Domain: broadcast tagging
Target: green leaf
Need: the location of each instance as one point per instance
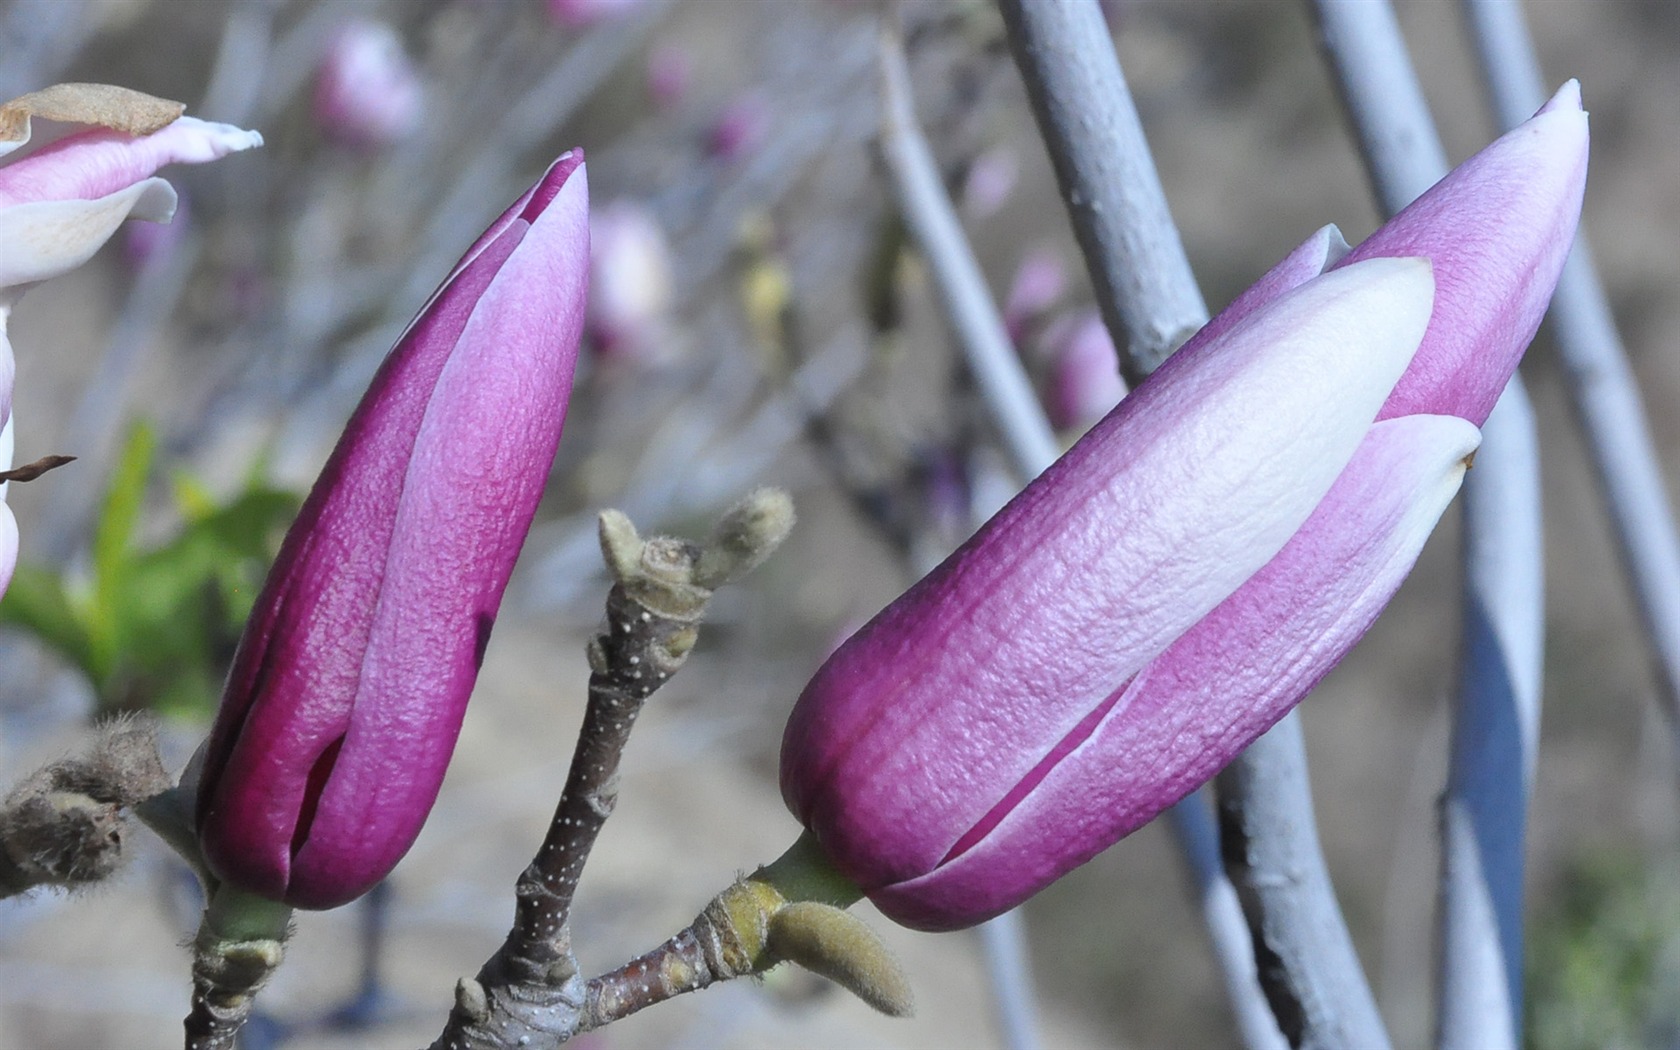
(113, 536)
(38, 603)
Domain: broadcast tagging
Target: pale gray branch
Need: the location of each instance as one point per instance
(1141, 275)
(1497, 705)
(1601, 384)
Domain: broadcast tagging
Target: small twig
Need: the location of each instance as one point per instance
(1007, 391)
(1193, 828)
(530, 994)
(1495, 739)
(241, 942)
(1009, 965)
(792, 910)
(933, 223)
(1496, 712)
(1601, 384)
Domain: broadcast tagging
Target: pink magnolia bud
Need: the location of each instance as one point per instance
(630, 284)
(739, 128)
(1039, 282)
(350, 683)
(1132, 620)
(367, 93)
(1084, 380)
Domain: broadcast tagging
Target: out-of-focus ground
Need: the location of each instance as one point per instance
(1254, 154)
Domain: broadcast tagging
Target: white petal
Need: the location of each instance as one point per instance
(47, 238)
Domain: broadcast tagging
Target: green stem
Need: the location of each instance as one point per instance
(804, 873)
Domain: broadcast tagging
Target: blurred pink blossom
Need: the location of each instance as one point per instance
(670, 71)
(367, 92)
(739, 128)
(1083, 379)
(630, 284)
(1040, 282)
(989, 181)
(580, 14)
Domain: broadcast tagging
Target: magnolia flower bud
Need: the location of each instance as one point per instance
(989, 181)
(1180, 579)
(1083, 382)
(350, 683)
(581, 14)
(670, 72)
(1039, 282)
(367, 93)
(630, 285)
(739, 129)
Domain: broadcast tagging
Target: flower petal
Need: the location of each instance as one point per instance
(94, 164)
(1497, 229)
(48, 238)
(8, 546)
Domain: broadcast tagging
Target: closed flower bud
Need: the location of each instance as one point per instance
(1083, 375)
(630, 285)
(350, 683)
(367, 93)
(1172, 586)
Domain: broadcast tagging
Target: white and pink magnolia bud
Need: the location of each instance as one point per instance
(1189, 570)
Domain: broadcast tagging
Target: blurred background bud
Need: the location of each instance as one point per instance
(989, 181)
(630, 285)
(1040, 282)
(739, 128)
(580, 14)
(670, 71)
(367, 92)
(1083, 378)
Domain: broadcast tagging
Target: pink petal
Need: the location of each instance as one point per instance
(1497, 229)
(47, 238)
(93, 164)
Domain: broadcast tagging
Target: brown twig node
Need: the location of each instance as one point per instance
(529, 994)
